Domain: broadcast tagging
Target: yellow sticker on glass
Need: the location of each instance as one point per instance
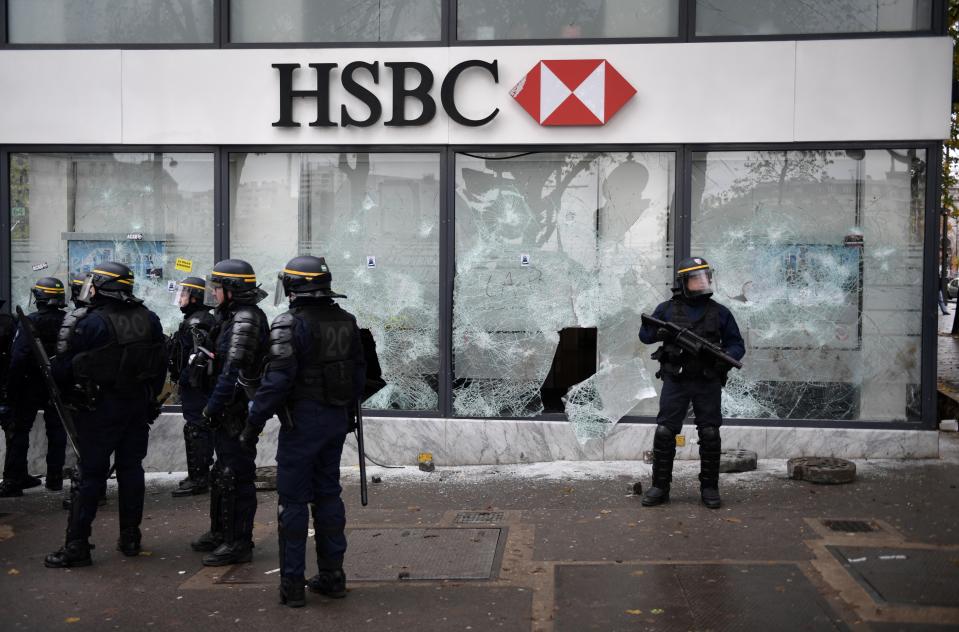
(183, 265)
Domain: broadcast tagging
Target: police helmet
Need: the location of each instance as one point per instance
(305, 276)
(189, 288)
(111, 279)
(695, 278)
(48, 292)
(236, 276)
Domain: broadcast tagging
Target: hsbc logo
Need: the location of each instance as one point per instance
(572, 92)
(555, 92)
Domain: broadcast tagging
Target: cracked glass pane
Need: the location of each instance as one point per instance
(547, 241)
(71, 212)
(819, 256)
(375, 218)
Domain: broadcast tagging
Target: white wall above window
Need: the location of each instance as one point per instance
(784, 91)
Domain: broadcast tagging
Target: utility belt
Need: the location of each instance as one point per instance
(681, 367)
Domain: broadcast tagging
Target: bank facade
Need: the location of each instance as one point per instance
(502, 188)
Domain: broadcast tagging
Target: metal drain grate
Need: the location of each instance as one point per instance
(479, 517)
(850, 526)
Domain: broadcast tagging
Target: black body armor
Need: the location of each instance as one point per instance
(131, 358)
(244, 330)
(194, 332)
(327, 375)
(675, 362)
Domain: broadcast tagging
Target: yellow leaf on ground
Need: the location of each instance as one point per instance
(72, 619)
(13, 571)
(634, 611)
(657, 611)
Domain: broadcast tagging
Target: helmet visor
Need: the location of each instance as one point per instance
(86, 292)
(180, 297)
(699, 283)
(279, 294)
(209, 292)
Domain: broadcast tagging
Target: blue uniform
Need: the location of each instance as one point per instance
(28, 395)
(118, 420)
(309, 450)
(702, 389)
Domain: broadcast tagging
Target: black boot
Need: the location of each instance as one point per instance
(54, 481)
(10, 489)
(664, 452)
(198, 465)
(213, 538)
(710, 448)
(292, 593)
(30, 482)
(230, 553)
(207, 542)
(330, 582)
(73, 553)
(129, 542)
(191, 487)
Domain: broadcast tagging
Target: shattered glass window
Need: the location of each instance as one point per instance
(70, 212)
(375, 218)
(775, 17)
(548, 241)
(819, 256)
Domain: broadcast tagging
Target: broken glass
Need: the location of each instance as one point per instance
(375, 218)
(546, 241)
(819, 257)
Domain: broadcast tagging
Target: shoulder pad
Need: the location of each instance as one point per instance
(68, 326)
(249, 314)
(248, 325)
(281, 340)
(202, 320)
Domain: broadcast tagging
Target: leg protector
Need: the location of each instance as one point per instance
(664, 452)
(710, 446)
(213, 538)
(227, 483)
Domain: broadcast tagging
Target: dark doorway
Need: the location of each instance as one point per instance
(575, 360)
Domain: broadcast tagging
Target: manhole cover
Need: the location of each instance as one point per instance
(737, 461)
(890, 574)
(850, 526)
(265, 478)
(410, 554)
(478, 517)
(822, 470)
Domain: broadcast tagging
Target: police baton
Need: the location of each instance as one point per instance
(358, 429)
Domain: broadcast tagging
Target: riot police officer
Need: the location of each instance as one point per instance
(28, 395)
(76, 286)
(8, 328)
(239, 339)
(691, 378)
(188, 356)
(113, 351)
(316, 369)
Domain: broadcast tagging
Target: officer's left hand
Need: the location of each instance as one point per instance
(249, 437)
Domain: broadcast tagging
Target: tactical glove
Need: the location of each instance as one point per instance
(249, 437)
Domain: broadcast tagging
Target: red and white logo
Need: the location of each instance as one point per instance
(572, 92)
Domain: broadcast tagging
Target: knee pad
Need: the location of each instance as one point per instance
(663, 432)
(708, 434)
(226, 481)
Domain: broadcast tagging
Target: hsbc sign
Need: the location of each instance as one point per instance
(556, 92)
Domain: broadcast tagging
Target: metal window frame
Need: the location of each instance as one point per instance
(680, 234)
(686, 32)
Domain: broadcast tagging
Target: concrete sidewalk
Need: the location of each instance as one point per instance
(555, 546)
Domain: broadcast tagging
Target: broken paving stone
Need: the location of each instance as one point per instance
(821, 470)
(736, 460)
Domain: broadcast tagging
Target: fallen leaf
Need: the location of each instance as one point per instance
(72, 619)
(638, 573)
(637, 611)
(13, 571)
(733, 520)
(657, 611)
(605, 511)
(146, 553)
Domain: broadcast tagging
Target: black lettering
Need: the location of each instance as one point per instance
(361, 93)
(321, 94)
(448, 91)
(401, 92)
